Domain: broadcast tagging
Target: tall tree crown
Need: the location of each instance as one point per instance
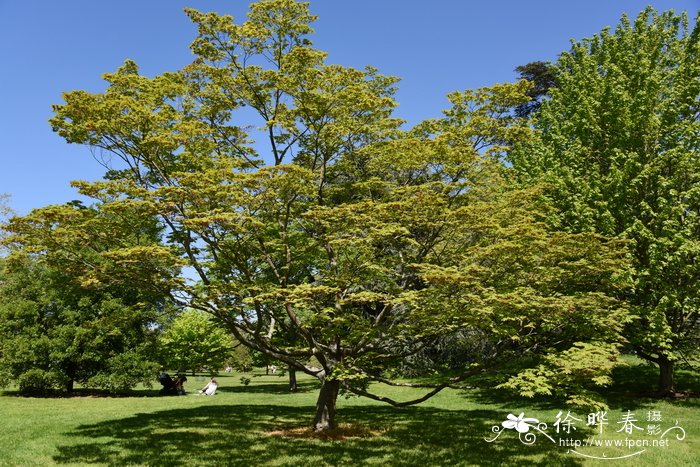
(619, 146)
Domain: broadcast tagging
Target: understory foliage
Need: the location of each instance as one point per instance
(328, 238)
(618, 150)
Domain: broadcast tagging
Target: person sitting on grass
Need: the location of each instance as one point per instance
(210, 388)
(180, 384)
(172, 387)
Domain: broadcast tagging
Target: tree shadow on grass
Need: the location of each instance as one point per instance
(636, 385)
(271, 388)
(512, 401)
(240, 435)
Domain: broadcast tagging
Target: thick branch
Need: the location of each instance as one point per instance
(437, 389)
(646, 356)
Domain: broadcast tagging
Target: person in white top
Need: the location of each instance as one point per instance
(210, 388)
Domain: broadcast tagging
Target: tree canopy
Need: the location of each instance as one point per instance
(619, 148)
(192, 341)
(543, 78)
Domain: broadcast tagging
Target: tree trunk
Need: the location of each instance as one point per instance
(71, 372)
(325, 406)
(666, 386)
(292, 379)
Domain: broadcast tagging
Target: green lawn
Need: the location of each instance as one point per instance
(238, 426)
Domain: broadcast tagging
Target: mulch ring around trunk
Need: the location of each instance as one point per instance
(342, 432)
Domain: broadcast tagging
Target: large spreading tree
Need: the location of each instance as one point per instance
(328, 238)
(620, 150)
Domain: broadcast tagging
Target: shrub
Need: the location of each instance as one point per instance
(40, 382)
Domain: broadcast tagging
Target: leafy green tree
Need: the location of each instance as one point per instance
(241, 358)
(363, 242)
(54, 334)
(61, 318)
(192, 341)
(619, 147)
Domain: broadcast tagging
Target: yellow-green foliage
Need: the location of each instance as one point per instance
(338, 237)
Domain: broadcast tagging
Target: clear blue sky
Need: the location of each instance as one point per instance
(435, 46)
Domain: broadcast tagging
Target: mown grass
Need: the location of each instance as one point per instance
(246, 425)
